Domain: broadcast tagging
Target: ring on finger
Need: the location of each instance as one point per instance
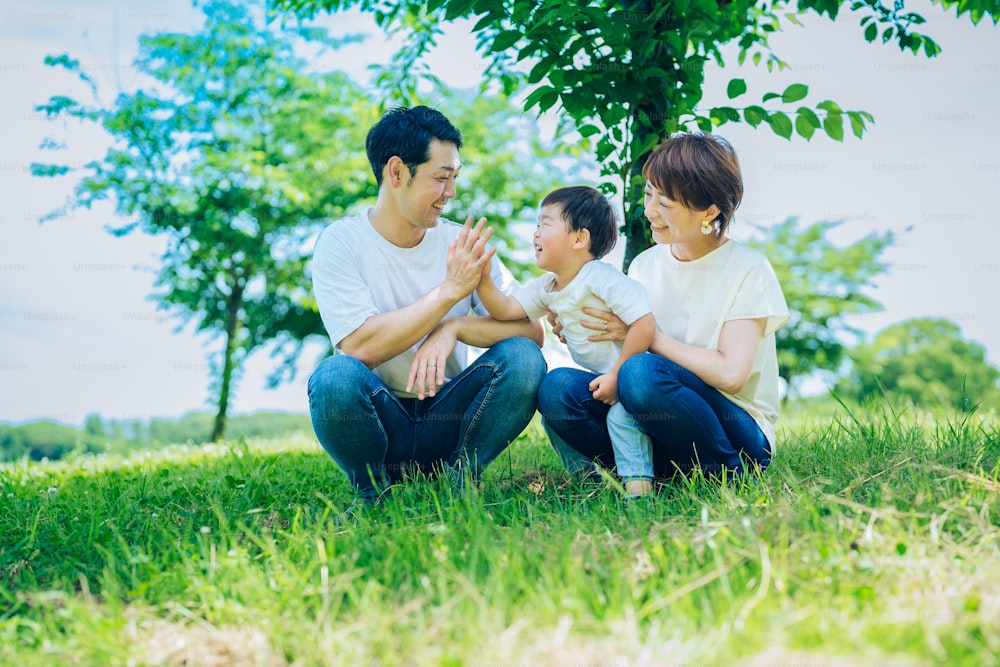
(605, 326)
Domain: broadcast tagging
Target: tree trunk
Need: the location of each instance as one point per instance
(637, 234)
(651, 123)
(232, 329)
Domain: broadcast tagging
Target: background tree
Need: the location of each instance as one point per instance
(238, 154)
(234, 154)
(923, 361)
(824, 286)
(631, 72)
(46, 439)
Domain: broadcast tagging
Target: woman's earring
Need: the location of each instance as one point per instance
(707, 227)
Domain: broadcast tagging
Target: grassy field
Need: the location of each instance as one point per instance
(870, 541)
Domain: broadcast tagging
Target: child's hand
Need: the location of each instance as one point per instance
(487, 273)
(605, 388)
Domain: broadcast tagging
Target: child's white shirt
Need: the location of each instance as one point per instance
(597, 285)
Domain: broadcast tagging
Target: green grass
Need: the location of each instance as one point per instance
(872, 539)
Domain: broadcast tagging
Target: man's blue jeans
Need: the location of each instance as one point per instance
(691, 424)
(375, 436)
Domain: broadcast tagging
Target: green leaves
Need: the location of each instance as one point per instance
(505, 39)
(638, 69)
(754, 115)
(833, 125)
(804, 121)
(858, 122)
(794, 93)
(720, 115)
(781, 124)
(924, 361)
(224, 167)
(736, 88)
(816, 276)
(38, 169)
(544, 97)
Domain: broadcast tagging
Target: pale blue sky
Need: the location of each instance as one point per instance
(77, 334)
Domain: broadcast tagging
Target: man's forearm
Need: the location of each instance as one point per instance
(387, 335)
(486, 331)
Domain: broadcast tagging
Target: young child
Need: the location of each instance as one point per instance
(576, 227)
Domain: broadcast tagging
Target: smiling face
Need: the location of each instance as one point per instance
(670, 221)
(423, 192)
(558, 248)
(692, 178)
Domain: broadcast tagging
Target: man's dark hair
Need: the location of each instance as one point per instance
(407, 133)
(583, 207)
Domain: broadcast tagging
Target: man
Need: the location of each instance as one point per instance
(395, 288)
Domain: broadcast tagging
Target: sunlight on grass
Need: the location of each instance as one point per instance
(872, 539)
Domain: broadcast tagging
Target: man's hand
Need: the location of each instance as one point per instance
(605, 388)
(467, 258)
(428, 367)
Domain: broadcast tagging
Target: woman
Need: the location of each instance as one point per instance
(707, 393)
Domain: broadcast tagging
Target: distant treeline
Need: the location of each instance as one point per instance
(51, 440)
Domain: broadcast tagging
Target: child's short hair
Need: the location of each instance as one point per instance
(584, 207)
(698, 170)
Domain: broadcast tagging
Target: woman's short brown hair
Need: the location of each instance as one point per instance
(698, 170)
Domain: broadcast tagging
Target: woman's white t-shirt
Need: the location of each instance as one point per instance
(692, 300)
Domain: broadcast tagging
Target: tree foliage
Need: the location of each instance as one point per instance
(628, 73)
(238, 152)
(51, 440)
(925, 362)
(233, 153)
(45, 439)
(824, 286)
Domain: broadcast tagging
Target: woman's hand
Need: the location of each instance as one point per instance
(427, 369)
(606, 324)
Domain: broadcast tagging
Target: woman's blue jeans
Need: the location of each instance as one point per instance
(376, 436)
(692, 425)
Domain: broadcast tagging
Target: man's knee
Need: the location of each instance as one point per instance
(338, 383)
(336, 370)
(522, 359)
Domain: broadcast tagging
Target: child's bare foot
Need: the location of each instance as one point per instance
(638, 487)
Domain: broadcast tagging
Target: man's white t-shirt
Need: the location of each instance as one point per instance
(597, 285)
(692, 300)
(357, 273)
